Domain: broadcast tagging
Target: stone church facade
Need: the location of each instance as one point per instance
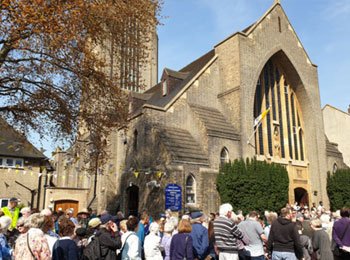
(196, 118)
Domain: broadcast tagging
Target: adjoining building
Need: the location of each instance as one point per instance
(23, 168)
(337, 129)
(203, 115)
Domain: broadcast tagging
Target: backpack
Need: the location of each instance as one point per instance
(93, 250)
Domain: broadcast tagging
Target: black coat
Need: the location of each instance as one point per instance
(109, 243)
(284, 237)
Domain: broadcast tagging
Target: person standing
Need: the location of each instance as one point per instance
(12, 211)
(141, 232)
(65, 248)
(199, 235)
(284, 239)
(130, 241)
(255, 234)
(226, 234)
(181, 243)
(341, 235)
(152, 243)
(5, 249)
(166, 239)
(320, 241)
(108, 237)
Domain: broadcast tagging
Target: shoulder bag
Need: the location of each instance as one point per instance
(30, 250)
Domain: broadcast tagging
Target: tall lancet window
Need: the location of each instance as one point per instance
(224, 156)
(190, 190)
(280, 132)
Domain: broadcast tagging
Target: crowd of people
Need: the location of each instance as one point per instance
(296, 232)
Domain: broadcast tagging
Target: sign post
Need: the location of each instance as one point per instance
(173, 197)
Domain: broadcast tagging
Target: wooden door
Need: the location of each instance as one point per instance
(67, 204)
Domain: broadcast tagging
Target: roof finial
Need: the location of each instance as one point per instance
(277, 2)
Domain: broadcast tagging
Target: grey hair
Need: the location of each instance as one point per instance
(5, 222)
(34, 221)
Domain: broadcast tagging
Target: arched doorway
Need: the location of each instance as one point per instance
(301, 196)
(132, 200)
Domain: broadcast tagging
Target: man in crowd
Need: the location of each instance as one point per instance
(284, 239)
(141, 232)
(12, 211)
(255, 234)
(226, 234)
(341, 235)
(199, 234)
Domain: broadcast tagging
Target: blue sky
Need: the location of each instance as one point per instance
(192, 27)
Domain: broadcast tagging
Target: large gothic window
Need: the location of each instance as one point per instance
(190, 190)
(280, 133)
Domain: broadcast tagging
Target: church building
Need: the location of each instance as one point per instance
(182, 129)
(196, 118)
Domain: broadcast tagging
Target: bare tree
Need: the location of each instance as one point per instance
(63, 62)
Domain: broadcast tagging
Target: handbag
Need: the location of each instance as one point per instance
(335, 248)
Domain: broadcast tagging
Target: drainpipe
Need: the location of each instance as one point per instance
(49, 170)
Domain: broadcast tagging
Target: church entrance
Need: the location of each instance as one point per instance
(301, 196)
(67, 204)
(132, 200)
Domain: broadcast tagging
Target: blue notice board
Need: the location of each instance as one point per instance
(173, 197)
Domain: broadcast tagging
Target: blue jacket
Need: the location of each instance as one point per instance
(200, 240)
(5, 250)
(181, 247)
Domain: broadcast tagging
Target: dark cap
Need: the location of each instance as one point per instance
(196, 214)
(105, 218)
(13, 199)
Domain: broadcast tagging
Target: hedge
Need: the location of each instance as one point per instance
(253, 185)
(338, 189)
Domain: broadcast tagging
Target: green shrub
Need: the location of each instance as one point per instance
(338, 189)
(253, 185)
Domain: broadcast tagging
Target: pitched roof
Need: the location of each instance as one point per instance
(160, 101)
(332, 149)
(14, 144)
(182, 146)
(215, 122)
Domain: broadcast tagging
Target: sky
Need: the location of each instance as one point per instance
(190, 28)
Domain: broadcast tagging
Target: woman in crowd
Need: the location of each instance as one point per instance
(152, 243)
(131, 249)
(320, 241)
(47, 228)
(166, 239)
(211, 239)
(181, 243)
(5, 250)
(32, 244)
(65, 248)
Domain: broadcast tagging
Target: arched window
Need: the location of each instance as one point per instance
(224, 157)
(190, 190)
(335, 168)
(279, 127)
